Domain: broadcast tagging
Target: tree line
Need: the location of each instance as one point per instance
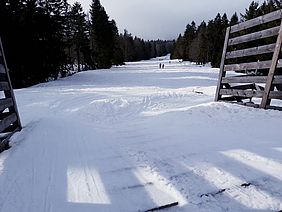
(46, 39)
(204, 43)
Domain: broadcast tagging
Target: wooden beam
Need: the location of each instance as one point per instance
(11, 91)
(4, 86)
(222, 73)
(2, 69)
(254, 36)
(265, 49)
(243, 87)
(6, 122)
(245, 79)
(233, 98)
(5, 103)
(275, 94)
(241, 93)
(269, 86)
(274, 107)
(251, 79)
(251, 66)
(257, 21)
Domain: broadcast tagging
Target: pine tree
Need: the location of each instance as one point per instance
(178, 49)
(203, 43)
(118, 56)
(188, 37)
(252, 12)
(128, 47)
(102, 38)
(234, 19)
(52, 30)
(32, 33)
(78, 38)
(269, 6)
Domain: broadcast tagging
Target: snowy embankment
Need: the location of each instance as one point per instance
(136, 137)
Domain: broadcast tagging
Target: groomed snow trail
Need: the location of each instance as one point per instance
(137, 137)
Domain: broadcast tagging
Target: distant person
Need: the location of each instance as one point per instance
(163, 66)
(160, 65)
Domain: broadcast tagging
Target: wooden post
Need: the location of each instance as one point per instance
(268, 86)
(222, 73)
(10, 93)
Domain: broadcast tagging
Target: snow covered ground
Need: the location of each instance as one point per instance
(137, 137)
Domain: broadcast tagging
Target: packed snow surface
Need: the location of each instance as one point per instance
(136, 137)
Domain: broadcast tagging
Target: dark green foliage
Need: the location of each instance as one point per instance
(216, 34)
(44, 39)
(102, 37)
(189, 36)
(256, 10)
(32, 33)
(118, 57)
(252, 12)
(202, 44)
(178, 48)
(135, 49)
(205, 43)
(199, 51)
(234, 19)
(77, 37)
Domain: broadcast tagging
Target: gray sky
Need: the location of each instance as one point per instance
(164, 19)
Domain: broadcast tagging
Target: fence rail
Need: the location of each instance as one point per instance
(252, 48)
(9, 116)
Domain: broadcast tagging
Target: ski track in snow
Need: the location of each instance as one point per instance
(136, 137)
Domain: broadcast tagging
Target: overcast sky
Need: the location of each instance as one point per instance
(164, 19)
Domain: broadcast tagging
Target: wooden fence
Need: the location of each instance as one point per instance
(9, 116)
(250, 70)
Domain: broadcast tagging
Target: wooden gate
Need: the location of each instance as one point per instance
(9, 116)
(250, 70)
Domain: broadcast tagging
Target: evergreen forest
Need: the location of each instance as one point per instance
(204, 43)
(47, 39)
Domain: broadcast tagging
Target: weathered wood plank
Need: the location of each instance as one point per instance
(251, 79)
(257, 21)
(251, 66)
(11, 128)
(254, 36)
(268, 87)
(241, 93)
(245, 86)
(11, 92)
(222, 73)
(4, 86)
(6, 122)
(251, 51)
(245, 79)
(2, 69)
(275, 94)
(273, 107)
(5, 103)
(232, 98)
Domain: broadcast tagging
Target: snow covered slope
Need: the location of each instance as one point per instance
(137, 137)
